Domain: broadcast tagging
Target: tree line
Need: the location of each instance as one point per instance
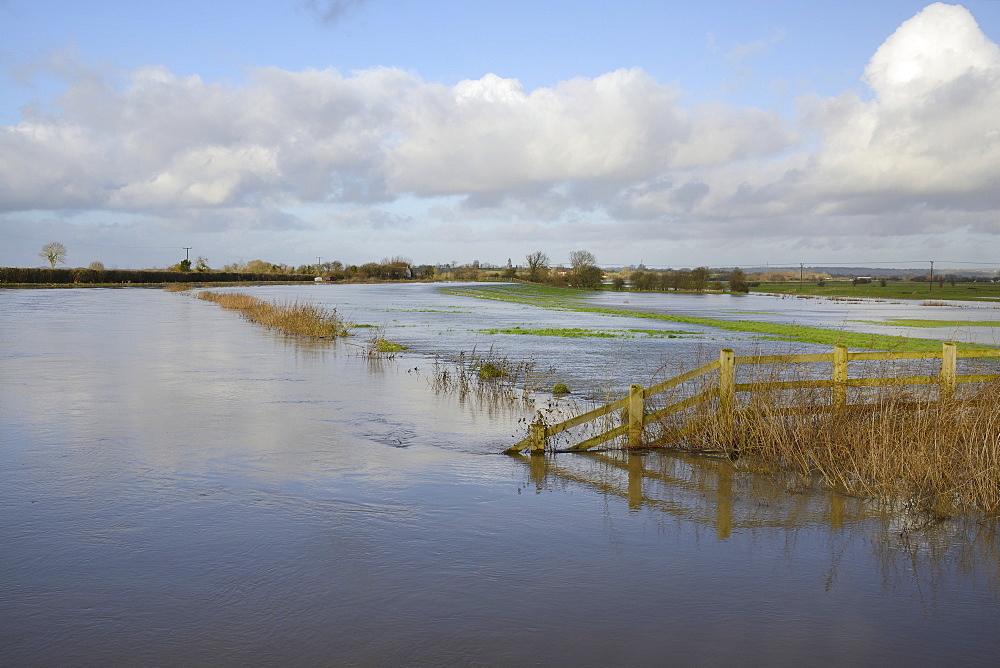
(583, 272)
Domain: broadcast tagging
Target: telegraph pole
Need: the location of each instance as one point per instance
(931, 281)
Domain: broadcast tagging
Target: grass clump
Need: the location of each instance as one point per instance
(560, 388)
(296, 318)
(177, 287)
(490, 371)
(386, 346)
(378, 346)
(492, 377)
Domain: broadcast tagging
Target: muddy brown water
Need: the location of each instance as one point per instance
(178, 486)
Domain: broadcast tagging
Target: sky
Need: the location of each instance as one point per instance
(673, 134)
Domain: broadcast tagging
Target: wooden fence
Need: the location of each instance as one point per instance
(634, 417)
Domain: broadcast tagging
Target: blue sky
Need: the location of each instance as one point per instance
(676, 134)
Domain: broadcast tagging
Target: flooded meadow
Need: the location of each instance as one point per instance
(178, 486)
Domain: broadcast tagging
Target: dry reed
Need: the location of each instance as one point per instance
(941, 458)
(294, 317)
(491, 376)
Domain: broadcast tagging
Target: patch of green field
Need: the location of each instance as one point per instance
(892, 290)
(578, 300)
(579, 333)
(916, 322)
(422, 310)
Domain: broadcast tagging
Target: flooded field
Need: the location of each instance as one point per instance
(178, 486)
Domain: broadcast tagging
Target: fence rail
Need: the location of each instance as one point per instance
(634, 417)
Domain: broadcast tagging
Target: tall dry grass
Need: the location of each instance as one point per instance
(900, 444)
(293, 317)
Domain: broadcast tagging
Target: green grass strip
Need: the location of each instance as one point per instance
(577, 300)
(915, 322)
(578, 333)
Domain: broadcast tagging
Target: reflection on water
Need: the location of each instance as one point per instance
(180, 487)
(712, 492)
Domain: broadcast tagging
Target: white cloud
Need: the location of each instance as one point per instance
(932, 129)
(922, 155)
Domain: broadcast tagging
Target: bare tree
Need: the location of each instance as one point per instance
(54, 253)
(582, 258)
(586, 274)
(538, 263)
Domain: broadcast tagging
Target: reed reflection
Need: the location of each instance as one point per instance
(715, 493)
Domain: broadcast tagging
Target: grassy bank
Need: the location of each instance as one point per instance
(296, 318)
(577, 300)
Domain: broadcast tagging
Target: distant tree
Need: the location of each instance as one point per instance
(510, 272)
(738, 281)
(54, 253)
(538, 265)
(96, 266)
(202, 264)
(585, 273)
(699, 278)
(581, 258)
(183, 265)
(643, 280)
(619, 283)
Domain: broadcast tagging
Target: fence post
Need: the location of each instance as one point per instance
(636, 415)
(536, 432)
(727, 380)
(839, 376)
(949, 366)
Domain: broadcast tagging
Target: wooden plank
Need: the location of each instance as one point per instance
(980, 378)
(784, 359)
(518, 447)
(879, 382)
(600, 438)
(683, 378)
(894, 356)
(783, 385)
(683, 404)
(601, 411)
(979, 353)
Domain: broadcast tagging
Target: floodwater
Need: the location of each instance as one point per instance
(178, 486)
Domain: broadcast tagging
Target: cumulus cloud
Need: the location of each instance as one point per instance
(931, 130)
(586, 152)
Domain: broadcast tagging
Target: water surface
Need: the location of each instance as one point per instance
(178, 486)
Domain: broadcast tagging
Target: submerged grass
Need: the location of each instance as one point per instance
(576, 300)
(294, 317)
